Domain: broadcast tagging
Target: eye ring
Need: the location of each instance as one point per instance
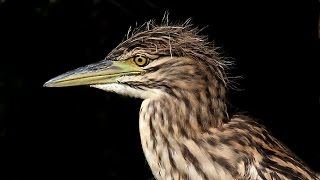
(141, 60)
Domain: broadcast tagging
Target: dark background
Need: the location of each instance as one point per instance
(81, 132)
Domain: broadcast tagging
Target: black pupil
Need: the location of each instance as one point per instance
(140, 60)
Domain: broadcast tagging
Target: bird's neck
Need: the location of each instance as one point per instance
(166, 120)
(186, 112)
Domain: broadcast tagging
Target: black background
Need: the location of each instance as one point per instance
(81, 132)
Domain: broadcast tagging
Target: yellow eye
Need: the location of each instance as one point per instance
(141, 60)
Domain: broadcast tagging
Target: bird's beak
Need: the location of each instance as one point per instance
(103, 72)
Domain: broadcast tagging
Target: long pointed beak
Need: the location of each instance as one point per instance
(103, 72)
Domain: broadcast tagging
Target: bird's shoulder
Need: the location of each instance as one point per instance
(257, 154)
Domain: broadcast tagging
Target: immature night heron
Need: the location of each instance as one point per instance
(186, 132)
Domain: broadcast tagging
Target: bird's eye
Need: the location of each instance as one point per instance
(141, 60)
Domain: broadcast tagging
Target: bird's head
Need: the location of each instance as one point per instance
(153, 60)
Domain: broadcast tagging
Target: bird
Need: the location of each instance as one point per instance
(185, 127)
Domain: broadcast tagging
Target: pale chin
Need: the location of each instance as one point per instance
(124, 90)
